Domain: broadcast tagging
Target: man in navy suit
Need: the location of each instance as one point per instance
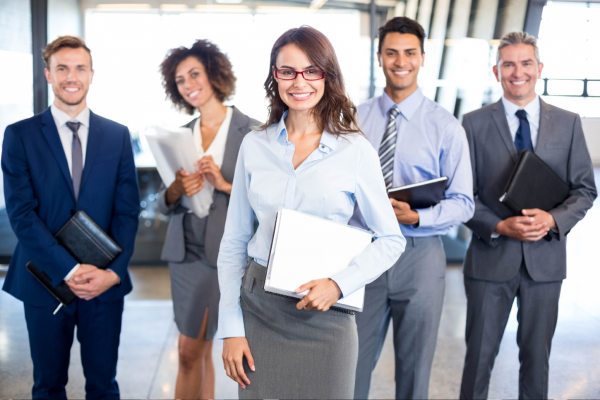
(55, 163)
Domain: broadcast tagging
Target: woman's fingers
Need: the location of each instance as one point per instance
(241, 373)
(250, 359)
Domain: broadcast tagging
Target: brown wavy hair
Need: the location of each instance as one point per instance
(216, 63)
(334, 113)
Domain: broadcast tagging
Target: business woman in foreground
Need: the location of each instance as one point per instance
(310, 156)
(200, 78)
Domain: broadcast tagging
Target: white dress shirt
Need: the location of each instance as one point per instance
(216, 150)
(532, 110)
(66, 138)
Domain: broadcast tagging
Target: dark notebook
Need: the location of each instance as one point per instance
(533, 184)
(420, 195)
(87, 243)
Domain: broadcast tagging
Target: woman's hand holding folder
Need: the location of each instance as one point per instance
(323, 294)
(234, 351)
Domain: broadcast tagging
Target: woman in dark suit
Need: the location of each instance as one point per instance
(200, 78)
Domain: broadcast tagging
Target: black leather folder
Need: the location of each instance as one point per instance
(87, 243)
(421, 195)
(533, 184)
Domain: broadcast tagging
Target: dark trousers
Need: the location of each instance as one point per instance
(411, 294)
(488, 308)
(51, 337)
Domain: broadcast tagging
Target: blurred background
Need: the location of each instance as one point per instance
(129, 41)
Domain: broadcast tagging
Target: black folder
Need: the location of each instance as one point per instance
(421, 195)
(533, 184)
(87, 243)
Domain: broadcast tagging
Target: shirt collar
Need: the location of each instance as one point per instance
(532, 108)
(407, 107)
(280, 134)
(61, 118)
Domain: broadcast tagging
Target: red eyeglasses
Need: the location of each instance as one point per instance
(290, 74)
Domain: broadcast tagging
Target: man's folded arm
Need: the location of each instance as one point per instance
(124, 223)
(21, 204)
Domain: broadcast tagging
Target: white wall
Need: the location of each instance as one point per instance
(591, 130)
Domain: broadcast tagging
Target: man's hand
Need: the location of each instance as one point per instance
(323, 294)
(184, 184)
(234, 351)
(531, 227)
(91, 282)
(212, 173)
(404, 214)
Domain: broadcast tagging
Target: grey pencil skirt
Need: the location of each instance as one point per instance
(297, 353)
(195, 289)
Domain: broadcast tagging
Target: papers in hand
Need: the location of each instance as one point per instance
(306, 247)
(174, 149)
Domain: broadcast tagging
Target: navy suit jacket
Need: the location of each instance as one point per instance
(39, 195)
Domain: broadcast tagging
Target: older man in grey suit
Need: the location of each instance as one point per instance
(519, 256)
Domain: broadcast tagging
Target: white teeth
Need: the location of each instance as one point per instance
(300, 95)
(401, 72)
(519, 82)
(71, 89)
(193, 94)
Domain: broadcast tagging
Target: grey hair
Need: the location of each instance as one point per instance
(518, 38)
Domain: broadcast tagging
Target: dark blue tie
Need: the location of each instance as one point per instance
(523, 136)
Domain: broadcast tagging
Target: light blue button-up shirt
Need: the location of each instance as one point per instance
(340, 173)
(430, 143)
(532, 110)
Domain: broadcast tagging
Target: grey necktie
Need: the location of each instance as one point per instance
(388, 147)
(77, 158)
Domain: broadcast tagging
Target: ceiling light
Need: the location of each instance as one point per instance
(173, 7)
(123, 6)
(229, 1)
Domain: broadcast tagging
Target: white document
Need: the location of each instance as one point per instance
(174, 149)
(306, 247)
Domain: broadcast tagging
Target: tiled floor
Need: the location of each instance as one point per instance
(148, 352)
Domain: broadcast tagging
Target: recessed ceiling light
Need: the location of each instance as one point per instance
(229, 1)
(173, 7)
(123, 6)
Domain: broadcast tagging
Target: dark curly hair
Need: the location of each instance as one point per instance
(335, 113)
(216, 63)
(402, 25)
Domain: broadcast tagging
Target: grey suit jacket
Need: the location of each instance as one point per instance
(174, 248)
(562, 146)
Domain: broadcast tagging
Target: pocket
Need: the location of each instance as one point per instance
(248, 283)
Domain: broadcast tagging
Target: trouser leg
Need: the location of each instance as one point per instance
(98, 331)
(488, 308)
(416, 300)
(372, 326)
(50, 341)
(537, 316)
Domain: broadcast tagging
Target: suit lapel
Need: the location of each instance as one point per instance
(93, 145)
(499, 117)
(53, 139)
(234, 137)
(544, 127)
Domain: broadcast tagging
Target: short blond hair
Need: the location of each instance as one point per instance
(518, 38)
(71, 42)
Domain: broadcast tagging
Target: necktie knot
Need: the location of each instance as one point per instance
(73, 126)
(521, 114)
(394, 112)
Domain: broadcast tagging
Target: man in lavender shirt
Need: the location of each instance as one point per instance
(417, 140)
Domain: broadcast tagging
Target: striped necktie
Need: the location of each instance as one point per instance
(387, 148)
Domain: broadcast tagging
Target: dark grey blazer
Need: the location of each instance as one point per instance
(562, 146)
(174, 248)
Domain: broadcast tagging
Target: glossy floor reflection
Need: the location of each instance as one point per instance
(148, 352)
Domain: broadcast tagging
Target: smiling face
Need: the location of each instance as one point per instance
(518, 71)
(401, 58)
(298, 94)
(192, 82)
(70, 74)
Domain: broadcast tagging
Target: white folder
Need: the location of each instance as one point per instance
(306, 247)
(174, 149)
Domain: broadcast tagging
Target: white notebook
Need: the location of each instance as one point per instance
(306, 247)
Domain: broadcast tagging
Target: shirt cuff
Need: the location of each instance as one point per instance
(231, 323)
(495, 235)
(425, 217)
(349, 280)
(72, 272)
(119, 281)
